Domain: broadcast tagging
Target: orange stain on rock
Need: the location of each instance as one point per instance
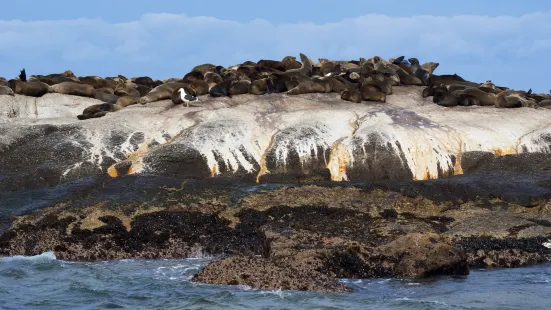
(112, 171)
(338, 160)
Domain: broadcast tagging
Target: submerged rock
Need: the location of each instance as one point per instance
(263, 274)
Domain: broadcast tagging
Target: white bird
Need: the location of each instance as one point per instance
(547, 244)
(186, 97)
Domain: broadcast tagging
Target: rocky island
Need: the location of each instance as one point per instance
(292, 174)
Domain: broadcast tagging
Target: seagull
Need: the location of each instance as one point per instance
(186, 97)
(547, 244)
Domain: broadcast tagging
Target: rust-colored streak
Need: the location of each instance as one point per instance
(112, 171)
(263, 168)
(338, 160)
(457, 168)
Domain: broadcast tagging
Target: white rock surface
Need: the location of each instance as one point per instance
(241, 132)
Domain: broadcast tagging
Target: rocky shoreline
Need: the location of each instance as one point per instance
(302, 236)
(289, 188)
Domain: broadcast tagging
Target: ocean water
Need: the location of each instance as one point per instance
(43, 282)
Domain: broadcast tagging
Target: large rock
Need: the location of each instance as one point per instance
(263, 274)
(269, 138)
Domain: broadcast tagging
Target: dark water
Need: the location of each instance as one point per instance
(42, 282)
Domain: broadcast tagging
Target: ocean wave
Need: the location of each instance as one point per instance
(41, 258)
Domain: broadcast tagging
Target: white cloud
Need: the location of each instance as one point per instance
(505, 49)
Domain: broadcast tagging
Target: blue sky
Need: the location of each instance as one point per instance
(505, 41)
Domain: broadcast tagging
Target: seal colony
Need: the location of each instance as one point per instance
(369, 80)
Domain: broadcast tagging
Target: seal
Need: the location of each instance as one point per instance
(52, 79)
(240, 87)
(23, 75)
(72, 88)
(312, 86)
(104, 96)
(125, 101)
(419, 72)
(145, 81)
(143, 90)
(268, 63)
(384, 86)
(482, 98)
(327, 67)
(204, 68)
(32, 88)
(261, 87)
(289, 63)
(281, 81)
(194, 76)
(161, 92)
(200, 87)
(221, 89)
(126, 89)
(305, 68)
(430, 90)
(397, 61)
(371, 93)
(13, 83)
(443, 98)
(514, 99)
(488, 84)
(448, 79)
(338, 84)
(212, 79)
(430, 66)
(184, 94)
(546, 104)
(98, 110)
(352, 95)
(4, 90)
(94, 81)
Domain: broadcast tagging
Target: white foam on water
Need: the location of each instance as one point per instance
(41, 258)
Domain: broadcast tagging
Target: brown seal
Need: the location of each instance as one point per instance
(161, 92)
(94, 81)
(371, 93)
(546, 104)
(305, 68)
(193, 76)
(261, 87)
(289, 63)
(204, 68)
(56, 78)
(126, 89)
(126, 101)
(443, 98)
(430, 66)
(312, 86)
(145, 81)
(4, 90)
(98, 110)
(200, 87)
(105, 96)
(482, 98)
(72, 88)
(32, 88)
(383, 85)
(212, 79)
(240, 87)
(514, 99)
(352, 95)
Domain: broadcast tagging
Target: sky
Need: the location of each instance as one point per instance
(505, 41)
